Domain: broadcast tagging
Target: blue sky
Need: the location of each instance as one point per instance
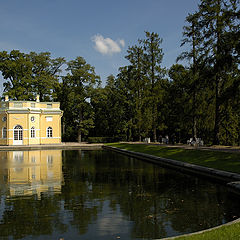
(100, 31)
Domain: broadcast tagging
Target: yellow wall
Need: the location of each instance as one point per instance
(55, 124)
(2, 124)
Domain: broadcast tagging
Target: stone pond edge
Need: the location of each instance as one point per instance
(232, 180)
(62, 146)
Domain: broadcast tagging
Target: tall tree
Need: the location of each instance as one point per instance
(79, 83)
(125, 85)
(179, 101)
(217, 19)
(16, 69)
(100, 104)
(153, 58)
(192, 36)
(109, 108)
(138, 79)
(45, 72)
(30, 74)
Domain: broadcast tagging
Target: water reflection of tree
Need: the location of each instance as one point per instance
(30, 217)
(77, 191)
(178, 203)
(204, 208)
(106, 178)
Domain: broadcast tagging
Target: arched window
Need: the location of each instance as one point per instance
(18, 133)
(49, 132)
(4, 132)
(33, 132)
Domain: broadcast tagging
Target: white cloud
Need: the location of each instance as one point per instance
(107, 46)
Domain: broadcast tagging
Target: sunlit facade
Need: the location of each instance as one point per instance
(30, 122)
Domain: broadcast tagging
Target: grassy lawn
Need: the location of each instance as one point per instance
(213, 159)
(228, 232)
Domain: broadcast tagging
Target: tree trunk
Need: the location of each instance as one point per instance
(154, 122)
(219, 30)
(79, 130)
(154, 134)
(194, 133)
(79, 135)
(216, 140)
(194, 83)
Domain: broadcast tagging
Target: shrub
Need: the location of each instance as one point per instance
(103, 139)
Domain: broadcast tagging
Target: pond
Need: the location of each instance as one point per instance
(86, 194)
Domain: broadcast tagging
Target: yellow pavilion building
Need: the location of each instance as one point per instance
(30, 122)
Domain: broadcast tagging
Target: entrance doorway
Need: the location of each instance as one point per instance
(18, 135)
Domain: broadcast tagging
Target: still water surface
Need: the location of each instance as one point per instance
(53, 194)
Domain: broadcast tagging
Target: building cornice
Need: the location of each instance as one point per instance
(51, 111)
(32, 111)
(15, 101)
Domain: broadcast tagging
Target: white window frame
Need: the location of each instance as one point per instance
(4, 132)
(49, 132)
(33, 159)
(49, 118)
(18, 104)
(18, 133)
(33, 132)
(49, 159)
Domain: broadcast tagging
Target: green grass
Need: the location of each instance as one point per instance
(213, 159)
(227, 232)
(219, 160)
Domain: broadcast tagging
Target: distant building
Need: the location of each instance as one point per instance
(30, 122)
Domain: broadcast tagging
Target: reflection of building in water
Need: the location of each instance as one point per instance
(31, 172)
